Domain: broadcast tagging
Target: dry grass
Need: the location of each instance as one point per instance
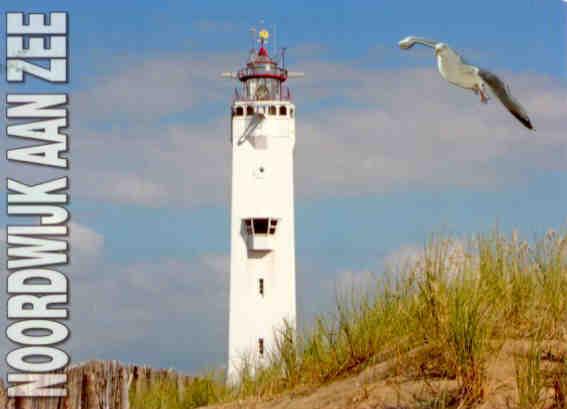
(529, 377)
(441, 318)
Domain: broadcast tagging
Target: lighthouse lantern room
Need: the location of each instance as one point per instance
(262, 248)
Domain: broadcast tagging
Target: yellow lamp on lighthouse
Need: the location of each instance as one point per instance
(264, 34)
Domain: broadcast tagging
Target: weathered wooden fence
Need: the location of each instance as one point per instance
(99, 385)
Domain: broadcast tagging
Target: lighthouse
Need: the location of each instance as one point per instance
(262, 242)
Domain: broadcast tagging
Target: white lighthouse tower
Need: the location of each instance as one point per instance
(262, 249)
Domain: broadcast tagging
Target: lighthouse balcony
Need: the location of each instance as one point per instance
(260, 243)
(264, 69)
(260, 233)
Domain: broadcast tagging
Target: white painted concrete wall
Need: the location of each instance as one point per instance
(267, 194)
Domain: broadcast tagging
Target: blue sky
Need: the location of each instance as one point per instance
(387, 153)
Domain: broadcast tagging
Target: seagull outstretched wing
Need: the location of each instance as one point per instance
(502, 91)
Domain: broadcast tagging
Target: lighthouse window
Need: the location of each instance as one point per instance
(261, 286)
(239, 111)
(272, 110)
(283, 110)
(261, 346)
(273, 224)
(291, 112)
(249, 110)
(248, 224)
(260, 226)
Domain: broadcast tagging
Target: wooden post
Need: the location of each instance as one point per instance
(100, 385)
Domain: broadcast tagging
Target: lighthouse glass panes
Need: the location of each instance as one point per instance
(262, 89)
(262, 241)
(260, 226)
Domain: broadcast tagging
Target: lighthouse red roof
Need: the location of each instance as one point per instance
(262, 52)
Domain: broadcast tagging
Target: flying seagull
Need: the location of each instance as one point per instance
(456, 71)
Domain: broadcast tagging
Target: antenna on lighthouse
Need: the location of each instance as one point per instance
(253, 32)
(283, 57)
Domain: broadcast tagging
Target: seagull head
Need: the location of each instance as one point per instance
(440, 47)
(406, 43)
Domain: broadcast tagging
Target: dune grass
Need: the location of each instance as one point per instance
(166, 394)
(529, 377)
(441, 317)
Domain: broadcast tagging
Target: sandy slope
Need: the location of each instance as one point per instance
(97, 385)
(378, 388)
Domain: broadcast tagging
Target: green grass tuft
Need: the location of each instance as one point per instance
(452, 306)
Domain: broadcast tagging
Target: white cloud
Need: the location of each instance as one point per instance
(85, 240)
(152, 311)
(144, 89)
(456, 254)
(164, 313)
(124, 188)
(355, 282)
(374, 131)
(173, 165)
(86, 247)
(86, 250)
(405, 257)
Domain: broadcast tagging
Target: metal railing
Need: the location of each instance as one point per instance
(285, 95)
(250, 72)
